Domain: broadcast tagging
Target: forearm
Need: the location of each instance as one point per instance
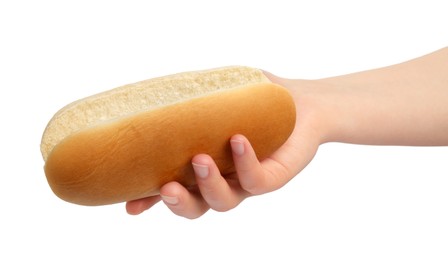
(404, 104)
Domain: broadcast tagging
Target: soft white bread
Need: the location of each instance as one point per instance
(125, 143)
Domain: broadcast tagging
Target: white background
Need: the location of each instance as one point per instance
(351, 202)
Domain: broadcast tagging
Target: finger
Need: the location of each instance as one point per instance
(255, 177)
(293, 156)
(136, 207)
(220, 194)
(183, 202)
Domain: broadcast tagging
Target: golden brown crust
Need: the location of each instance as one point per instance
(142, 96)
(132, 157)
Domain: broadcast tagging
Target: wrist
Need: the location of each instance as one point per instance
(321, 107)
(316, 109)
(319, 102)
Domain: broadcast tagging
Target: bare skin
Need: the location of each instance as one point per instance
(403, 104)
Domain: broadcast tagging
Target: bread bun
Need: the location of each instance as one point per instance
(124, 144)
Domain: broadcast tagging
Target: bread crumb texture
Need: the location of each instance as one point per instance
(143, 96)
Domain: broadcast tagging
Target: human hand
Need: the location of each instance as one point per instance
(403, 104)
(252, 177)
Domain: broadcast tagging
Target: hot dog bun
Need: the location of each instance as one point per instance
(124, 144)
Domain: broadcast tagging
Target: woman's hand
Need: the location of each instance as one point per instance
(252, 177)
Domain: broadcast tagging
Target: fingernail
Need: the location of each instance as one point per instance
(237, 147)
(201, 170)
(170, 200)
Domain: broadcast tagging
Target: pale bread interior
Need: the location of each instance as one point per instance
(143, 96)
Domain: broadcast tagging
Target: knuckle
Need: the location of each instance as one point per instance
(191, 217)
(223, 203)
(189, 214)
(223, 207)
(255, 190)
(254, 187)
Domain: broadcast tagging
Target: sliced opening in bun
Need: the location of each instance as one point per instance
(141, 96)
